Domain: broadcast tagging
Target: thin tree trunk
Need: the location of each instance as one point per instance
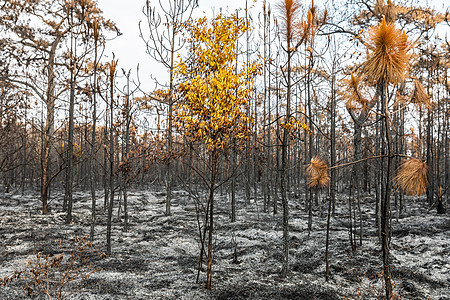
(93, 137)
(105, 163)
(233, 189)
(431, 179)
(332, 199)
(111, 165)
(385, 217)
(284, 161)
(277, 154)
(311, 139)
(24, 142)
(211, 219)
(69, 170)
(49, 126)
(248, 168)
(128, 158)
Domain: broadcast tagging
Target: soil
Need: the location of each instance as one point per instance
(157, 257)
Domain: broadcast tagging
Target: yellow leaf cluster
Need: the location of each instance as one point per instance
(76, 149)
(214, 96)
(295, 125)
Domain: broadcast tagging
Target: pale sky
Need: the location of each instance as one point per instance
(129, 47)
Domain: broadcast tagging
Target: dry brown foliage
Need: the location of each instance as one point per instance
(352, 91)
(57, 276)
(304, 68)
(371, 286)
(290, 10)
(112, 66)
(297, 30)
(408, 14)
(318, 172)
(389, 11)
(388, 58)
(420, 97)
(412, 177)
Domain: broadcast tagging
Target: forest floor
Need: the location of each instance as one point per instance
(157, 257)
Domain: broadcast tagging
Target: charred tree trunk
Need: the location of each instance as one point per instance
(111, 158)
(284, 166)
(385, 205)
(332, 199)
(49, 126)
(93, 135)
(69, 170)
(210, 225)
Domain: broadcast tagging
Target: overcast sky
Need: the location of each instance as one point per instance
(129, 47)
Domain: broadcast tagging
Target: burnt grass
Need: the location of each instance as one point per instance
(157, 257)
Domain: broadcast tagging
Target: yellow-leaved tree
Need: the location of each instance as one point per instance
(214, 91)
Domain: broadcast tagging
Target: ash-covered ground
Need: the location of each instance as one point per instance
(157, 257)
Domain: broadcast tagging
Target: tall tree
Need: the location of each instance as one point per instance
(84, 22)
(53, 16)
(215, 97)
(41, 43)
(162, 44)
(387, 62)
(296, 32)
(96, 36)
(112, 74)
(386, 65)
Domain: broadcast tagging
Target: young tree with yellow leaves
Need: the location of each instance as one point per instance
(214, 96)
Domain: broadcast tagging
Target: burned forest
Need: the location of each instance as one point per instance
(257, 149)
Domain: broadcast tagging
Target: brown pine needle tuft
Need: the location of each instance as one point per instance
(389, 11)
(401, 100)
(290, 10)
(352, 92)
(412, 177)
(388, 53)
(420, 97)
(318, 172)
